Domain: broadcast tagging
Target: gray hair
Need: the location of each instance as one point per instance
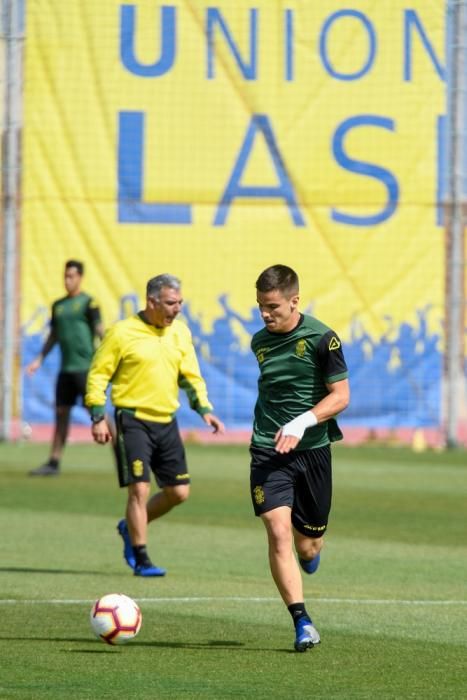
(155, 284)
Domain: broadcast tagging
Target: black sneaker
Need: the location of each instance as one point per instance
(46, 469)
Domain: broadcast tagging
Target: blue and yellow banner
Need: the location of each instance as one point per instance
(211, 141)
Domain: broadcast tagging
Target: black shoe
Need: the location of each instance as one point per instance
(46, 469)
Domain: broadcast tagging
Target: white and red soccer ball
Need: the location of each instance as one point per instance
(115, 618)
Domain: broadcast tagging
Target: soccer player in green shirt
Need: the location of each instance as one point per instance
(75, 323)
(147, 358)
(302, 386)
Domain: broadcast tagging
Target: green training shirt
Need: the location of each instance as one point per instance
(74, 321)
(294, 370)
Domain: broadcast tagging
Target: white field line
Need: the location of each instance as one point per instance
(235, 599)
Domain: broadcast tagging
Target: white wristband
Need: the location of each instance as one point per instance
(298, 425)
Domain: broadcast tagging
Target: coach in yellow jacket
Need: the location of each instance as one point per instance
(147, 358)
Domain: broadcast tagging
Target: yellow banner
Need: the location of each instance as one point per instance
(210, 142)
(213, 141)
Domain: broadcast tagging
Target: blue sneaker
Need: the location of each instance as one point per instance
(149, 570)
(310, 565)
(306, 635)
(122, 529)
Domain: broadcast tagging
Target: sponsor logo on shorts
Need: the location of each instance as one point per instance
(258, 495)
(315, 528)
(300, 348)
(183, 476)
(334, 344)
(137, 467)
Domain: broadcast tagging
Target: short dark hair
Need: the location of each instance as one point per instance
(75, 263)
(278, 277)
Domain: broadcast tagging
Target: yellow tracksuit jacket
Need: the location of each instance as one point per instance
(146, 366)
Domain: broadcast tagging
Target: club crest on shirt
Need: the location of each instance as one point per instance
(258, 495)
(137, 467)
(334, 344)
(261, 353)
(300, 348)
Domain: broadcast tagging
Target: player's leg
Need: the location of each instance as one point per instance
(137, 521)
(123, 460)
(62, 426)
(134, 452)
(70, 385)
(282, 562)
(272, 484)
(136, 517)
(168, 463)
(65, 398)
(312, 502)
(162, 502)
(312, 505)
(308, 550)
(286, 575)
(170, 470)
(272, 494)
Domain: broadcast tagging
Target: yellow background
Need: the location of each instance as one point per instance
(75, 86)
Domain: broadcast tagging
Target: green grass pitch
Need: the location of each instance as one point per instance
(389, 598)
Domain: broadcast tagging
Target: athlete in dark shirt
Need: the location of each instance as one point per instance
(302, 386)
(75, 323)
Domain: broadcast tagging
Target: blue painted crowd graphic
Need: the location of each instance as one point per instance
(395, 380)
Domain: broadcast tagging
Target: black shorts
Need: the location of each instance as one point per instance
(301, 480)
(145, 446)
(70, 386)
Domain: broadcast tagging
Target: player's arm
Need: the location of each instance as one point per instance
(99, 330)
(46, 348)
(103, 367)
(191, 381)
(100, 431)
(334, 369)
(288, 437)
(214, 422)
(93, 314)
(336, 401)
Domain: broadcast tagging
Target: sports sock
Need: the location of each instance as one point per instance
(141, 555)
(298, 612)
(52, 462)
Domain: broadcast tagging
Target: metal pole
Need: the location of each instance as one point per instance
(10, 165)
(457, 76)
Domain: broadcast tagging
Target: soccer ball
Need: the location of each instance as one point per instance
(115, 618)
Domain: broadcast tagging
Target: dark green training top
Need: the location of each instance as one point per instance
(294, 370)
(74, 321)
